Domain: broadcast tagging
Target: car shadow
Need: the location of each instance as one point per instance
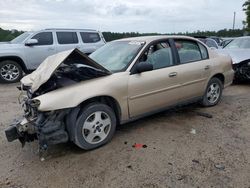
(61, 150)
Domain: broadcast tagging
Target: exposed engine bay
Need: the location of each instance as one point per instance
(67, 75)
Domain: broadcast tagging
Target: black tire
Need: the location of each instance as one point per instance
(79, 137)
(205, 100)
(16, 68)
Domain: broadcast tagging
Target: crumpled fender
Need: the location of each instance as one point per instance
(114, 86)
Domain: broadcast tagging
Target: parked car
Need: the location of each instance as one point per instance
(29, 50)
(239, 50)
(226, 41)
(211, 43)
(75, 97)
(217, 39)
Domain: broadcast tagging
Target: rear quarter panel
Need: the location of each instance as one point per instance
(221, 64)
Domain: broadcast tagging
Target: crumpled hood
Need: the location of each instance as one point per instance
(50, 64)
(237, 55)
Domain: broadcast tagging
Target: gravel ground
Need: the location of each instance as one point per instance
(184, 149)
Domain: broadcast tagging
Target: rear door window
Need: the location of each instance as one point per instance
(188, 51)
(44, 38)
(67, 37)
(88, 37)
(204, 52)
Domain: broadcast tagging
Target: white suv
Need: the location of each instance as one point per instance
(27, 51)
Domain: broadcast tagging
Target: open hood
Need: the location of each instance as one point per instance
(43, 73)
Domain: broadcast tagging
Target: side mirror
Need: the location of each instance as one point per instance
(31, 42)
(144, 67)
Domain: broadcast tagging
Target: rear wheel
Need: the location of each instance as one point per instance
(95, 126)
(213, 93)
(10, 71)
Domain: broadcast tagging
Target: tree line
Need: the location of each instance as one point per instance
(7, 35)
(109, 36)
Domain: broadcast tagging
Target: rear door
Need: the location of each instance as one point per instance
(67, 40)
(91, 41)
(194, 67)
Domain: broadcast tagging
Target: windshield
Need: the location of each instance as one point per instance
(239, 43)
(20, 38)
(116, 56)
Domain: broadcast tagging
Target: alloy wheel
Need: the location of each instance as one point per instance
(213, 93)
(9, 72)
(96, 127)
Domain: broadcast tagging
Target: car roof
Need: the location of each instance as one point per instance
(149, 39)
(67, 29)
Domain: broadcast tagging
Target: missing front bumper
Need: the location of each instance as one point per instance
(22, 131)
(47, 129)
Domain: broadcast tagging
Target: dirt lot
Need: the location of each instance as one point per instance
(217, 155)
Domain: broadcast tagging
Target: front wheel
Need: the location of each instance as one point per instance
(10, 71)
(213, 93)
(95, 126)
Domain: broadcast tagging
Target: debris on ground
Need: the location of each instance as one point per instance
(203, 114)
(193, 131)
(195, 161)
(219, 166)
(180, 177)
(42, 159)
(139, 146)
(125, 143)
(129, 166)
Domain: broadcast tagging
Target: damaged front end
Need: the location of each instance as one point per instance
(46, 127)
(242, 70)
(57, 71)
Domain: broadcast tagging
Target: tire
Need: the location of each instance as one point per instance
(213, 93)
(95, 126)
(10, 71)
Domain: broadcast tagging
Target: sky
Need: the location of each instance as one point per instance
(144, 16)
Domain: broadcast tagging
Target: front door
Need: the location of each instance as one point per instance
(153, 90)
(37, 53)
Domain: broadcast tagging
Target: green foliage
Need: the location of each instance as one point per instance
(246, 8)
(109, 36)
(7, 35)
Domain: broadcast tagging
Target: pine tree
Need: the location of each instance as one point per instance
(246, 8)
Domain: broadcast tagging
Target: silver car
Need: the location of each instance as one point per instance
(29, 50)
(239, 50)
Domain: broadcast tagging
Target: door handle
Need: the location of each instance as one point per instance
(207, 67)
(172, 74)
